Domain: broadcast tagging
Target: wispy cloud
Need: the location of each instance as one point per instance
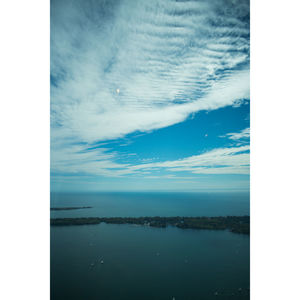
(243, 134)
(234, 160)
(77, 159)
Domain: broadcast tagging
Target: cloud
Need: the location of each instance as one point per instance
(243, 134)
(234, 160)
(80, 160)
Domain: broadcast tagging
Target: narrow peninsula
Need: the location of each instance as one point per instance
(236, 224)
(70, 208)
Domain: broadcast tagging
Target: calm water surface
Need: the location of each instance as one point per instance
(148, 263)
(152, 204)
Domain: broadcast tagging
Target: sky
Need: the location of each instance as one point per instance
(150, 95)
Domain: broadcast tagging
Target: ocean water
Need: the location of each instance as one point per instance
(151, 204)
(148, 263)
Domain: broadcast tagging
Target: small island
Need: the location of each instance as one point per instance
(70, 208)
(236, 224)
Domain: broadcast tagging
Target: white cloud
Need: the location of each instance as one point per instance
(243, 134)
(77, 159)
(233, 160)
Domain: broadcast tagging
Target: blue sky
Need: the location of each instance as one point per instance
(150, 95)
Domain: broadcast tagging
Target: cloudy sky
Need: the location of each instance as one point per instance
(150, 95)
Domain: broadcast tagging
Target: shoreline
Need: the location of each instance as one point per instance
(236, 224)
(70, 208)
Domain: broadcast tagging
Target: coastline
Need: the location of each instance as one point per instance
(236, 224)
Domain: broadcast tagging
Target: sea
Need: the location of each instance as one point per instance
(130, 262)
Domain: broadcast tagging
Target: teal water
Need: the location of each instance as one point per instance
(148, 263)
(151, 204)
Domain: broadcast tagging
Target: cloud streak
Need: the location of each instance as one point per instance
(234, 160)
(242, 135)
